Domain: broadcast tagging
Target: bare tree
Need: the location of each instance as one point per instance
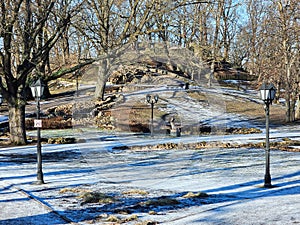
(281, 51)
(228, 27)
(254, 37)
(109, 25)
(24, 48)
(215, 47)
(200, 42)
(289, 32)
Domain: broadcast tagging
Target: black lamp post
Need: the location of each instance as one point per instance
(1, 99)
(37, 91)
(267, 94)
(152, 100)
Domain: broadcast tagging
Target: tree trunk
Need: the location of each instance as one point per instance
(287, 108)
(293, 111)
(212, 72)
(102, 77)
(297, 113)
(17, 124)
(290, 109)
(215, 49)
(46, 93)
(100, 87)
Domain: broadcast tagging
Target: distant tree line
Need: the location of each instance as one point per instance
(51, 38)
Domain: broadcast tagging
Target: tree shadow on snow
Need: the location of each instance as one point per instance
(163, 202)
(41, 219)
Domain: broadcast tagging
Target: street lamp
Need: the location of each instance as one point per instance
(267, 94)
(37, 89)
(152, 100)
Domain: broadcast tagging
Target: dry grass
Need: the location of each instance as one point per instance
(135, 192)
(161, 202)
(72, 190)
(96, 197)
(197, 95)
(50, 123)
(61, 85)
(147, 223)
(256, 111)
(116, 220)
(249, 109)
(134, 116)
(195, 195)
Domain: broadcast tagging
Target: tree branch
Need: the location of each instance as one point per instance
(64, 71)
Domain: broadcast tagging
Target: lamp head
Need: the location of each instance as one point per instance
(156, 98)
(148, 98)
(151, 98)
(37, 89)
(267, 92)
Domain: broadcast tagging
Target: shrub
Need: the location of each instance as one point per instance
(61, 140)
(50, 123)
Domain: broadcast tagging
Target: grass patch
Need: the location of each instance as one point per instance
(130, 218)
(255, 110)
(148, 223)
(96, 197)
(161, 202)
(134, 116)
(117, 220)
(195, 195)
(152, 212)
(114, 219)
(197, 95)
(62, 140)
(72, 190)
(50, 123)
(245, 108)
(135, 192)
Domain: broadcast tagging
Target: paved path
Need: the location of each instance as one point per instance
(19, 207)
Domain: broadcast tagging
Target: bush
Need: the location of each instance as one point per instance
(61, 140)
(50, 123)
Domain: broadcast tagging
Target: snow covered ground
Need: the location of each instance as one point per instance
(232, 178)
